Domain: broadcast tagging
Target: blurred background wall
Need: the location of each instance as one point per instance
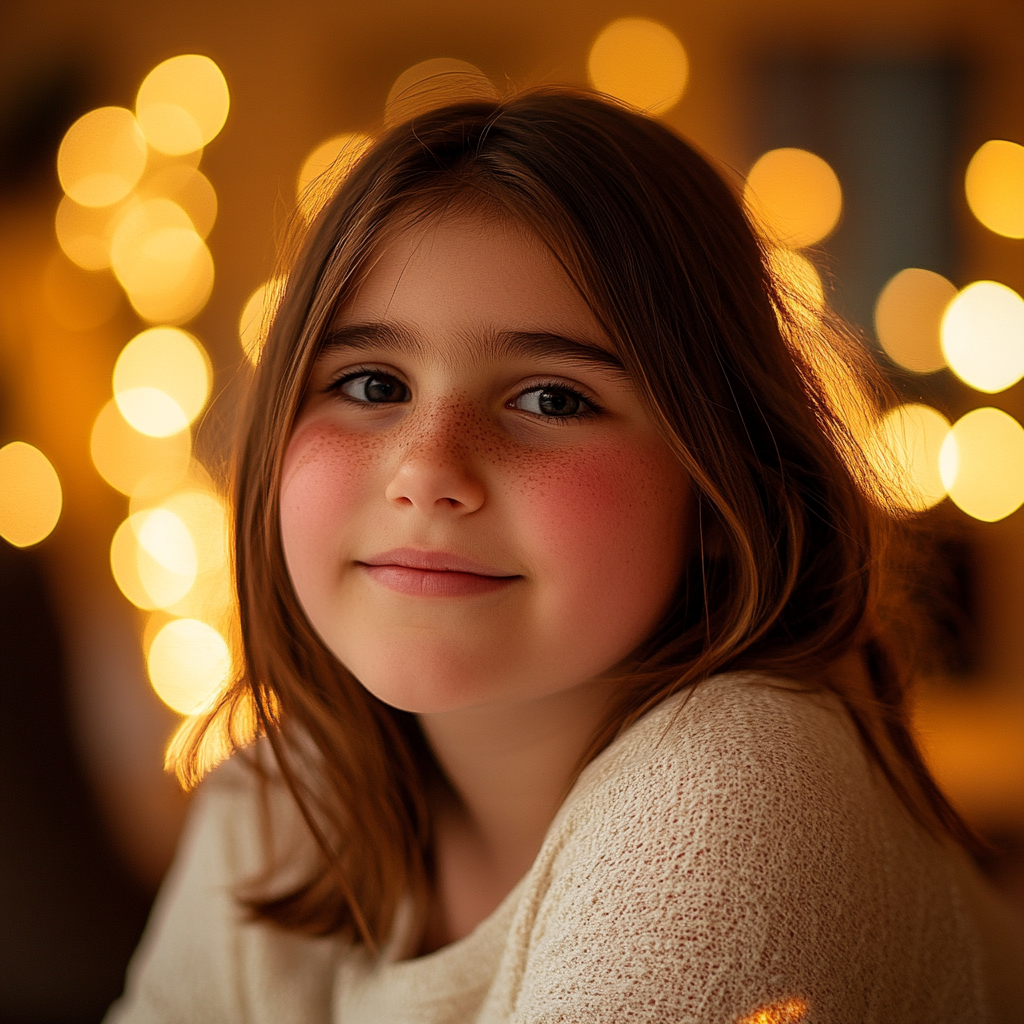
(861, 125)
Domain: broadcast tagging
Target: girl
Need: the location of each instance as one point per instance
(559, 579)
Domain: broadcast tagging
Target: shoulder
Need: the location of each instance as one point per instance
(202, 958)
(734, 849)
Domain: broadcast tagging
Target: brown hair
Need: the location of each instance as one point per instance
(746, 387)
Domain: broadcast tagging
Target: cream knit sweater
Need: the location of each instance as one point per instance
(730, 858)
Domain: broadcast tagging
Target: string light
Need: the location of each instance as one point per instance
(257, 315)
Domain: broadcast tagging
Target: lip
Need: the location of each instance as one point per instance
(420, 573)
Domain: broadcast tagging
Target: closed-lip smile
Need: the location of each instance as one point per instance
(419, 573)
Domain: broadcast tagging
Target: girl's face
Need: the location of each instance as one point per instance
(475, 506)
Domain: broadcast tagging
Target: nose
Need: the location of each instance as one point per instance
(435, 470)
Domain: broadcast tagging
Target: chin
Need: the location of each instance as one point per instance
(428, 682)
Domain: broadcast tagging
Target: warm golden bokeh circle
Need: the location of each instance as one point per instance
(908, 318)
(257, 315)
(162, 380)
(31, 497)
(905, 453)
(128, 459)
(182, 104)
(326, 168)
(189, 663)
(994, 185)
(640, 62)
(983, 336)
(101, 157)
(435, 83)
(795, 196)
(982, 464)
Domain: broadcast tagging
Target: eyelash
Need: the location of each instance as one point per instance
(592, 407)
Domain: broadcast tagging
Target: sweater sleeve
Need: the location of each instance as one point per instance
(738, 860)
(200, 960)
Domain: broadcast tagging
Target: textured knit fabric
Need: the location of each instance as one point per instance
(731, 853)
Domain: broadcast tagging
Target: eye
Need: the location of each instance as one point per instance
(553, 401)
(373, 388)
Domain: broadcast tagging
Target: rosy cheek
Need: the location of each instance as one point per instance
(609, 526)
(324, 475)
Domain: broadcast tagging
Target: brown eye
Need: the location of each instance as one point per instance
(374, 388)
(551, 401)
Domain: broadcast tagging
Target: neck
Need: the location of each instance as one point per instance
(509, 767)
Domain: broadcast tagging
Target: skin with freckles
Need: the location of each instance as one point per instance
(480, 520)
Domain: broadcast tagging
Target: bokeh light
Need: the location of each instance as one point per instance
(188, 188)
(435, 83)
(204, 516)
(30, 495)
(162, 380)
(795, 196)
(640, 62)
(101, 157)
(994, 184)
(189, 663)
(129, 460)
(982, 464)
(257, 315)
(908, 317)
(84, 233)
(905, 453)
(77, 299)
(153, 558)
(182, 104)
(161, 262)
(338, 156)
(983, 336)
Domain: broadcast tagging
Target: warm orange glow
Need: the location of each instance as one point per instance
(182, 104)
(905, 453)
(162, 381)
(795, 196)
(128, 460)
(908, 316)
(435, 83)
(258, 314)
(326, 168)
(75, 299)
(994, 184)
(982, 464)
(640, 62)
(983, 336)
(188, 188)
(189, 662)
(30, 495)
(153, 559)
(102, 156)
(163, 265)
(787, 1011)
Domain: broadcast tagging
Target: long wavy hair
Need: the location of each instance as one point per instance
(756, 392)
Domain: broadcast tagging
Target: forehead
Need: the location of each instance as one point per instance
(470, 274)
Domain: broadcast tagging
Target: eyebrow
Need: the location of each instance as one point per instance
(492, 345)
